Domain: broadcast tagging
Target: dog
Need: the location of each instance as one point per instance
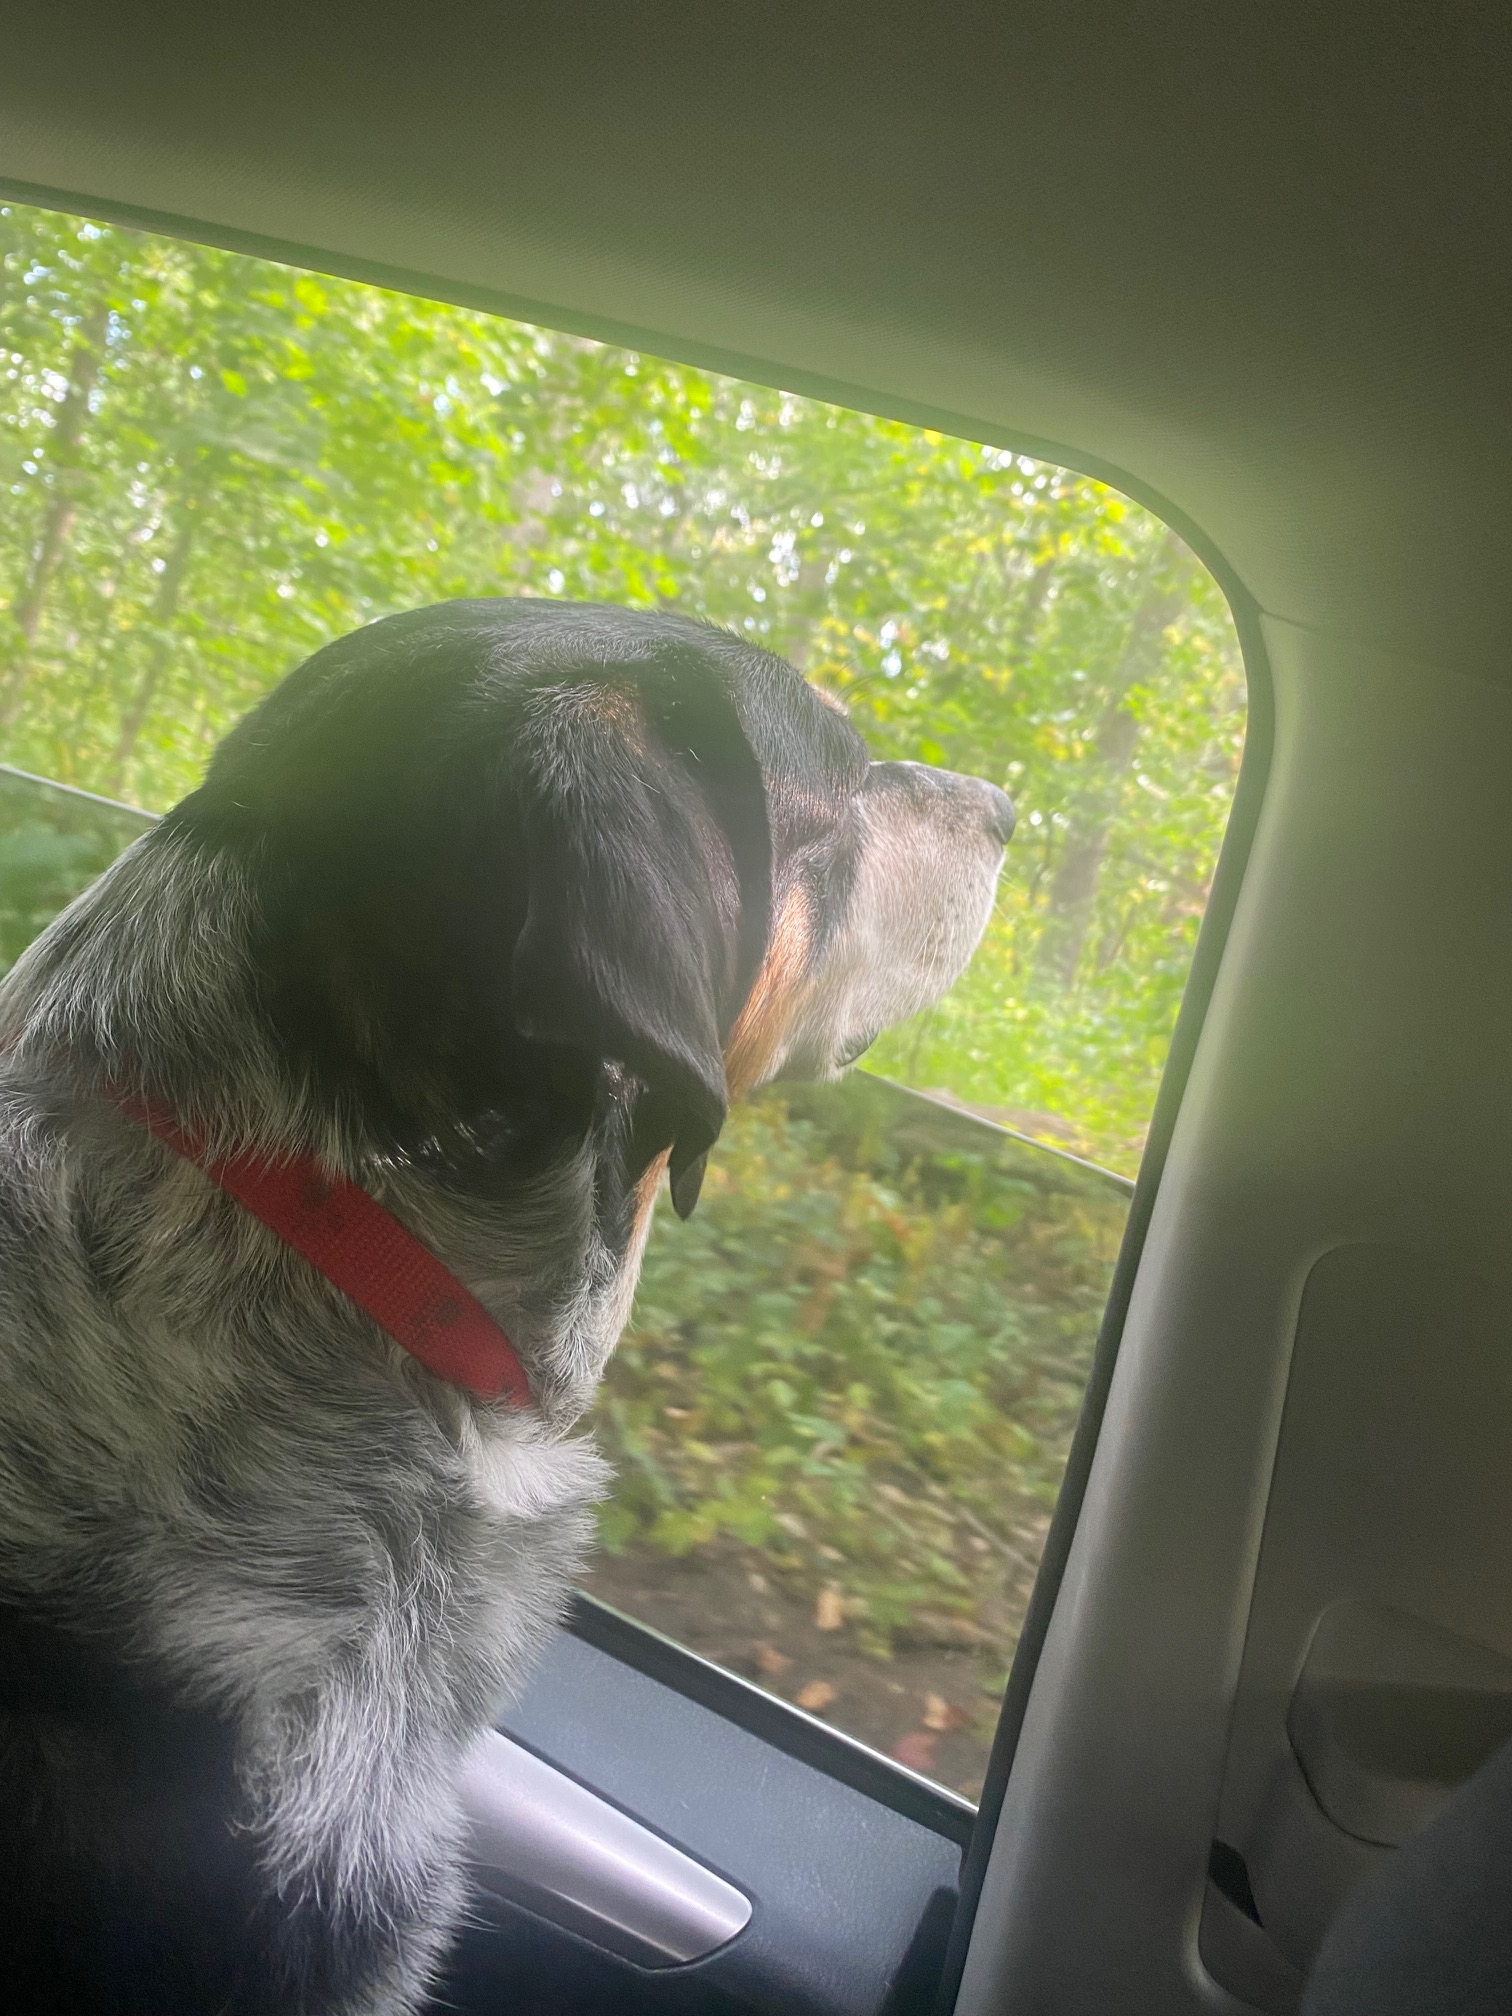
(484, 916)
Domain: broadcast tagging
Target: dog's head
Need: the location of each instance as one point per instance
(512, 858)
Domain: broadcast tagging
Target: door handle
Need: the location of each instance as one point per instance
(540, 1839)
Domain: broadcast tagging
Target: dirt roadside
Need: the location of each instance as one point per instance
(932, 1705)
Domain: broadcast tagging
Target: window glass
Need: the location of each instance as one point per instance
(842, 1411)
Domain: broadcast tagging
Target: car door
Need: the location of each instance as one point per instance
(1248, 267)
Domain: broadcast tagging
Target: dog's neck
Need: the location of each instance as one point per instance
(148, 987)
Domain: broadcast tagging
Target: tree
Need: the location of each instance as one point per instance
(211, 464)
(1091, 809)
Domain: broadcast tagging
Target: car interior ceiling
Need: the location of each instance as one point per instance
(1250, 265)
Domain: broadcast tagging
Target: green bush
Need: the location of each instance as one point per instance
(863, 1355)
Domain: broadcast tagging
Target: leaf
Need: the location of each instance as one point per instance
(816, 1696)
(941, 1715)
(916, 1750)
(829, 1609)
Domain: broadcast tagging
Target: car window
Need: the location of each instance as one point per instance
(840, 1416)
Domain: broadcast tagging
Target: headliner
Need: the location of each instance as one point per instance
(1250, 262)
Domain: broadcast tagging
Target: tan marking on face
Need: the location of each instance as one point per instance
(773, 1001)
(646, 1188)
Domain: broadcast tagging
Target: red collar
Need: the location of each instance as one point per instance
(348, 1236)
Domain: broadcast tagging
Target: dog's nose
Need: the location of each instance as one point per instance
(1001, 817)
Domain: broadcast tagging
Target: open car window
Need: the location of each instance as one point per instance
(841, 1415)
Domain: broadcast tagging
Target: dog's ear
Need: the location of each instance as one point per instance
(648, 889)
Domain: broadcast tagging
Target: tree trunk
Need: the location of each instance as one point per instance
(1073, 887)
(164, 609)
(61, 507)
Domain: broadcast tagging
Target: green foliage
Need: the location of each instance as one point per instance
(52, 843)
(212, 464)
(864, 1355)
